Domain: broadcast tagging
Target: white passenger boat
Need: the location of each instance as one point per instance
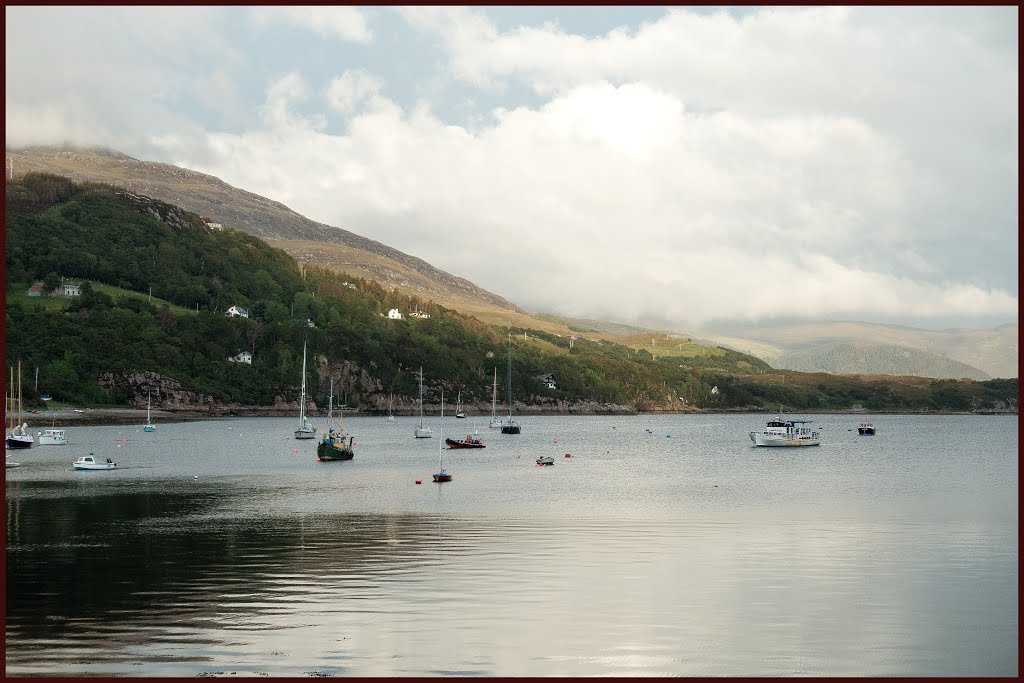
(782, 432)
(91, 462)
(52, 437)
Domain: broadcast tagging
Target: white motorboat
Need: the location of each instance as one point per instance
(783, 432)
(91, 462)
(52, 437)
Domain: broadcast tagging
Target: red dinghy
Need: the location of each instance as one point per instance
(471, 441)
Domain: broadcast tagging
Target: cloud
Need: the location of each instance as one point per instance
(617, 199)
(787, 162)
(346, 23)
(351, 88)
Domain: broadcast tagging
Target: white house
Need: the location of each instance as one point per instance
(243, 357)
(215, 226)
(238, 311)
(68, 289)
(395, 314)
(547, 380)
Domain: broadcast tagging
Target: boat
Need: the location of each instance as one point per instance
(783, 432)
(422, 431)
(545, 460)
(45, 397)
(391, 398)
(442, 475)
(471, 441)
(305, 430)
(509, 426)
(866, 428)
(11, 463)
(458, 407)
(18, 435)
(335, 442)
(52, 437)
(91, 462)
(150, 427)
(494, 402)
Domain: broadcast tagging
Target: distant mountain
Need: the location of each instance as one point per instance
(992, 352)
(862, 358)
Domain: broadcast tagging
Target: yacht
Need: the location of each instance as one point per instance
(783, 432)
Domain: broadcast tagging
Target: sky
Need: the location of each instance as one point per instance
(689, 165)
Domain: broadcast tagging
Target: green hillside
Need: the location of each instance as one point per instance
(123, 246)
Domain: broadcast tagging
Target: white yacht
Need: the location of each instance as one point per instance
(783, 432)
(52, 437)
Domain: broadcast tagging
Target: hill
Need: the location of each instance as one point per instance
(854, 358)
(992, 352)
(115, 348)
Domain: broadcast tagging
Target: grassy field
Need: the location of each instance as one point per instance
(19, 294)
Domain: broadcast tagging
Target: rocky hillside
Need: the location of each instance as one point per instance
(304, 239)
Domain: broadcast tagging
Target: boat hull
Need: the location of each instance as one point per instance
(868, 431)
(149, 428)
(300, 434)
(510, 429)
(423, 433)
(761, 439)
(20, 442)
(52, 439)
(442, 476)
(96, 466)
(327, 452)
(462, 444)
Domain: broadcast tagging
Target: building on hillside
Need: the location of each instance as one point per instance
(547, 380)
(68, 289)
(395, 314)
(419, 314)
(308, 322)
(37, 289)
(237, 311)
(242, 357)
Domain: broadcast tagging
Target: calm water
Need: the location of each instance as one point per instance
(217, 549)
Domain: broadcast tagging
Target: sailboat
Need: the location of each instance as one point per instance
(442, 475)
(305, 430)
(458, 407)
(422, 431)
(18, 435)
(149, 420)
(335, 444)
(509, 426)
(391, 399)
(494, 402)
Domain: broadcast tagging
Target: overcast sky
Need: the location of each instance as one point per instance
(684, 164)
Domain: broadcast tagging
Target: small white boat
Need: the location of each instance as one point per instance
(422, 431)
(150, 427)
(458, 407)
(306, 430)
(782, 432)
(52, 437)
(91, 462)
(391, 400)
(545, 460)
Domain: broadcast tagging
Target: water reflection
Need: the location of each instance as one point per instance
(515, 571)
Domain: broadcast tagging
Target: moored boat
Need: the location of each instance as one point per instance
(335, 442)
(471, 441)
(442, 475)
(18, 435)
(53, 437)
(783, 432)
(305, 429)
(866, 428)
(509, 426)
(422, 431)
(545, 460)
(91, 462)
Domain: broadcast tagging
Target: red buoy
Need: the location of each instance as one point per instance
(568, 455)
(418, 480)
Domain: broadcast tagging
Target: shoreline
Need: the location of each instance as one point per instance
(65, 417)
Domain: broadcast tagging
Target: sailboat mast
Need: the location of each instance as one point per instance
(19, 392)
(510, 376)
(494, 394)
(421, 396)
(12, 400)
(302, 396)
